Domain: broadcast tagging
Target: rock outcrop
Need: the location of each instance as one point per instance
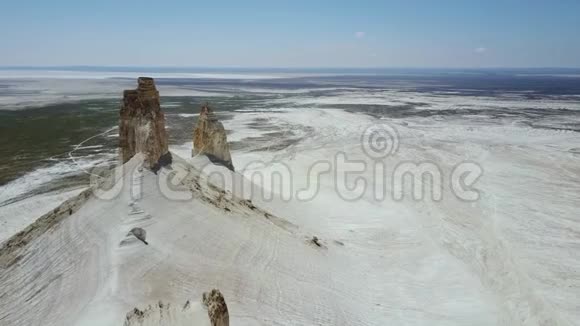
(165, 160)
(166, 314)
(217, 309)
(142, 123)
(209, 138)
(139, 233)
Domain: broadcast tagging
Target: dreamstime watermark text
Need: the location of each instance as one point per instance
(380, 173)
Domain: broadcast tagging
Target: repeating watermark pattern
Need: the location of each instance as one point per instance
(378, 174)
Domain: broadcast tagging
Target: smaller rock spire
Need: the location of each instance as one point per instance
(209, 138)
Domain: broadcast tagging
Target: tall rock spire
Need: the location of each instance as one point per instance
(209, 138)
(142, 123)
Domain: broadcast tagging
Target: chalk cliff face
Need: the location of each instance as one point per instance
(209, 138)
(142, 123)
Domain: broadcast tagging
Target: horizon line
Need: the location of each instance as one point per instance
(289, 68)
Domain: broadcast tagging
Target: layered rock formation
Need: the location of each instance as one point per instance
(142, 123)
(209, 138)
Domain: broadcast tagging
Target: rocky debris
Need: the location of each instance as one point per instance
(209, 138)
(165, 314)
(142, 123)
(315, 241)
(221, 199)
(165, 160)
(217, 309)
(139, 233)
(248, 203)
(135, 316)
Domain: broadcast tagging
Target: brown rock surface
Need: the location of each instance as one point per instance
(142, 123)
(209, 138)
(217, 309)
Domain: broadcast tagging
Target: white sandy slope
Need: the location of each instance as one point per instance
(85, 271)
(16, 216)
(508, 258)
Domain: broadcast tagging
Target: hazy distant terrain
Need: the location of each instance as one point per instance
(83, 102)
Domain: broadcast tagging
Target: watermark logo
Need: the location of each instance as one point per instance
(379, 141)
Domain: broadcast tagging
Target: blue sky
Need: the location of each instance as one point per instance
(294, 33)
